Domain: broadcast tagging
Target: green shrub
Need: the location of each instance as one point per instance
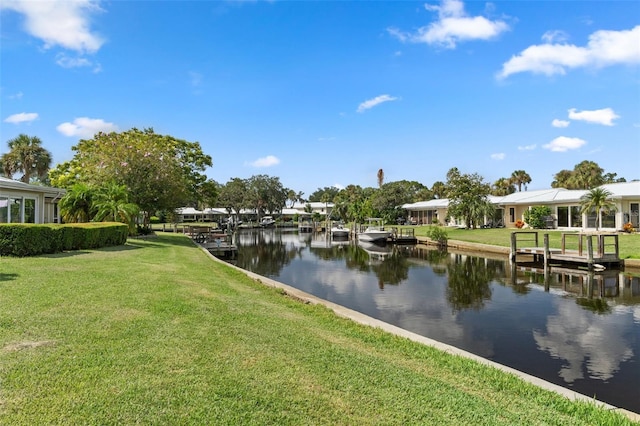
(20, 239)
(536, 216)
(438, 234)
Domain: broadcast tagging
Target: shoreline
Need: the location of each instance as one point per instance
(633, 264)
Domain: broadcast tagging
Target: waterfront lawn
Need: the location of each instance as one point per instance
(629, 244)
(156, 332)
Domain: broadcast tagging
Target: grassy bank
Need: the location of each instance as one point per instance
(629, 244)
(155, 332)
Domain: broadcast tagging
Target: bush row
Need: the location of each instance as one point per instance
(19, 239)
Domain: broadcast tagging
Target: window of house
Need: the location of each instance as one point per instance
(576, 217)
(609, 220)
(29, 210)
(15, 210)
(592, 219)
(4, 210)
(563, 216)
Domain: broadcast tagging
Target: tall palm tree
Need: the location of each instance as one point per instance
(598, 200)
(502, 187)
(26, 155)
(77, 203)
(520, 177)
(380, 178)
(439, 189)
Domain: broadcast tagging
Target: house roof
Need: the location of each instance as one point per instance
(436, 203)
(624, 189)
(26, 187)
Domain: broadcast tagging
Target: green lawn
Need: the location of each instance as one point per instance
(155, 332)
(629, 244)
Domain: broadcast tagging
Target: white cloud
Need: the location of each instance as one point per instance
(556, 36)
(603, 116)
(560, 123)
(453, 26)
(498, 156)
(85, 127)
(564, 143)
(66, 61)
(338, 186)
(267, 161)
(22, 117)
(59, 22)
(375, 101)
(605, 48)
(16, 96)
(527, 147)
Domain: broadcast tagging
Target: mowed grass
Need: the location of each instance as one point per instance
(155, 332)
(628, 244)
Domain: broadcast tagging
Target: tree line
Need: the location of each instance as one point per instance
(130, 176)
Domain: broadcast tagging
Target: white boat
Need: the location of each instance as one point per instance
(267, 221)
(339, 231)
(374, 231)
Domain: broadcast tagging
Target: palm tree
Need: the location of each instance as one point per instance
(520, 177)
(26, 155)
(439, 189)
(111, 203)
(502, 187)
(598, 200)
(380, 178)
(77, 203)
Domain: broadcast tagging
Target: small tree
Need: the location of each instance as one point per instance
(598, 200)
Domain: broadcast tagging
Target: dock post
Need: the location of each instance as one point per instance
(590, 251)
(546, 251)
(512, 254)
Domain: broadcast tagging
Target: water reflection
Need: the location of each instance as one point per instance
(570, 327)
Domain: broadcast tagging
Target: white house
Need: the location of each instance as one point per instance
(564, 205)
(24, 203)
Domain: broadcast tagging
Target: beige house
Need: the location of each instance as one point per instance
(24, 203)
(564, 205)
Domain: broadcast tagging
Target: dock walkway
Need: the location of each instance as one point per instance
(592, 250)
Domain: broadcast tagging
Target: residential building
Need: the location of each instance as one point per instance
(565, 205)
(25, 203)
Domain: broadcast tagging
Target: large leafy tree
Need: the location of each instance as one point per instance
(599, 201)
(232, 195)
(317, 195)
(159, 171)
(265, 194)
(519, 178)
(27, 156)
(468, 197)
(388, 199)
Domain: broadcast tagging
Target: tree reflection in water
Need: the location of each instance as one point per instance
(468, 285)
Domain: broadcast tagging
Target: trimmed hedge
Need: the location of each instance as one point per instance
(22, 239)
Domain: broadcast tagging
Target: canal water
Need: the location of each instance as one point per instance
(569, 327)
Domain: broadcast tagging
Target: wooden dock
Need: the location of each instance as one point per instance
(592, 250)
(217, 242)
(405, 236)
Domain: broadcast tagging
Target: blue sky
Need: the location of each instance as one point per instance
(327, 93)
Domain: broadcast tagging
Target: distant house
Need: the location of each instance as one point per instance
(24, 203)
(564, 205)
